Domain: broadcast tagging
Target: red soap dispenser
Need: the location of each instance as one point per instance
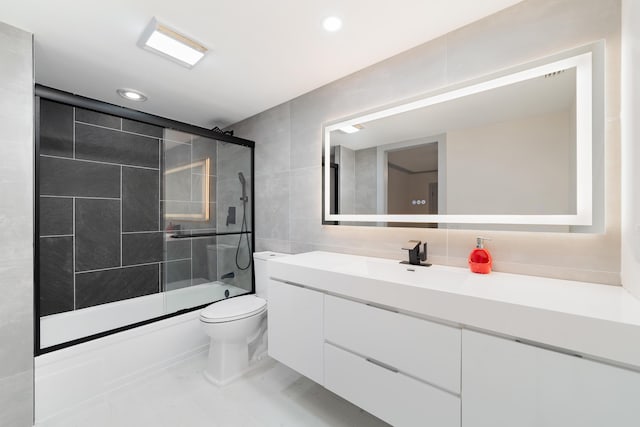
(480, 259)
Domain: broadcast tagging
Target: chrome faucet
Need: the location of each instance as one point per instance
(416, 257)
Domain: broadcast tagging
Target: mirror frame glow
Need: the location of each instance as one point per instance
(584, 149)
(204, 214)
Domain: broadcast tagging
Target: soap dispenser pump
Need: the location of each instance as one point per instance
(480, 259)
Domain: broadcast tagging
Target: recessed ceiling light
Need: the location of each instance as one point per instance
(132, 95)
(332, 24)
(161, 39)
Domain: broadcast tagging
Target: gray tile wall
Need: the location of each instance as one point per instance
(16, 214)
(100, 234)
(289, 142)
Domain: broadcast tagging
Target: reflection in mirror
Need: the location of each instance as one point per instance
(412, 180)
(513, 150)
(193, 173)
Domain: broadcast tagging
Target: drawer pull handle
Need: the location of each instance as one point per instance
(286, 282)
(382, 365)
(382, 308)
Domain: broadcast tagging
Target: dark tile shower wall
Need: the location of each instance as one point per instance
(100, 213)
(109, 188)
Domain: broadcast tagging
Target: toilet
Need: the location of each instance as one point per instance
(237, 328)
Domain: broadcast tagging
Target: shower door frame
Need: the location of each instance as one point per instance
(56, 95)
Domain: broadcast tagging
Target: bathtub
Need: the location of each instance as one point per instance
(63, 327)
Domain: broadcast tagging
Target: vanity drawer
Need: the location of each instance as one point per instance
(426, 350)
(390, 396)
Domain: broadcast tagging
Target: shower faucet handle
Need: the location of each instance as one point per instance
(231, 215)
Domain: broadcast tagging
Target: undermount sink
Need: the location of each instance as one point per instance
(380, 269)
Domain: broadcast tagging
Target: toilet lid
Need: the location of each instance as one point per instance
(233, 309)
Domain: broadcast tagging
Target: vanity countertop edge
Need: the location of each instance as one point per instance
(598, 321)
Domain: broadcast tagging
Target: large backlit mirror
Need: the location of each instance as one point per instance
(510, 150)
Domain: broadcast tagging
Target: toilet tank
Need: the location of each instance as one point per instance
(260, 260)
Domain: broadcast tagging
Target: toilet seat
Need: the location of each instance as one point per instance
(233, 309)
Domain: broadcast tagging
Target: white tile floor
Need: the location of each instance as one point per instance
(179, 396)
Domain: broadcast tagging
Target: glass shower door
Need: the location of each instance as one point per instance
(135, 221)
(206, 207)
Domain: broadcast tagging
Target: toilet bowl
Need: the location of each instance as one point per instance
(237, 328)
(231, 325)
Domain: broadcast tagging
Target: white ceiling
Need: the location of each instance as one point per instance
(262, 53)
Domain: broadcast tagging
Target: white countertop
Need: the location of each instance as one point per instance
(590, 319)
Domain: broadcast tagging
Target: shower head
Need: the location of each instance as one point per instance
(243, 182)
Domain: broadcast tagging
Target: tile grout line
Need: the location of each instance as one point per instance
(74, 132)
(121, 228)
(165, 242)
(97, 161)
(191, 261)
(141, 232)
(119, 130)
(118, 267)
(191, 175)
(175, 260)
(73, 214)
(180, 201)
(56, 197)
(74, 251)
(160, 225)
(191, 142)
(79, 197)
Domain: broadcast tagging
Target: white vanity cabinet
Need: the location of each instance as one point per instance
(403, 369)
(386, 338)
(409, 371)
(295, 328)
(506, 383)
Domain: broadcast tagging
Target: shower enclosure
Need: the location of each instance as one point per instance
(138, 218)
